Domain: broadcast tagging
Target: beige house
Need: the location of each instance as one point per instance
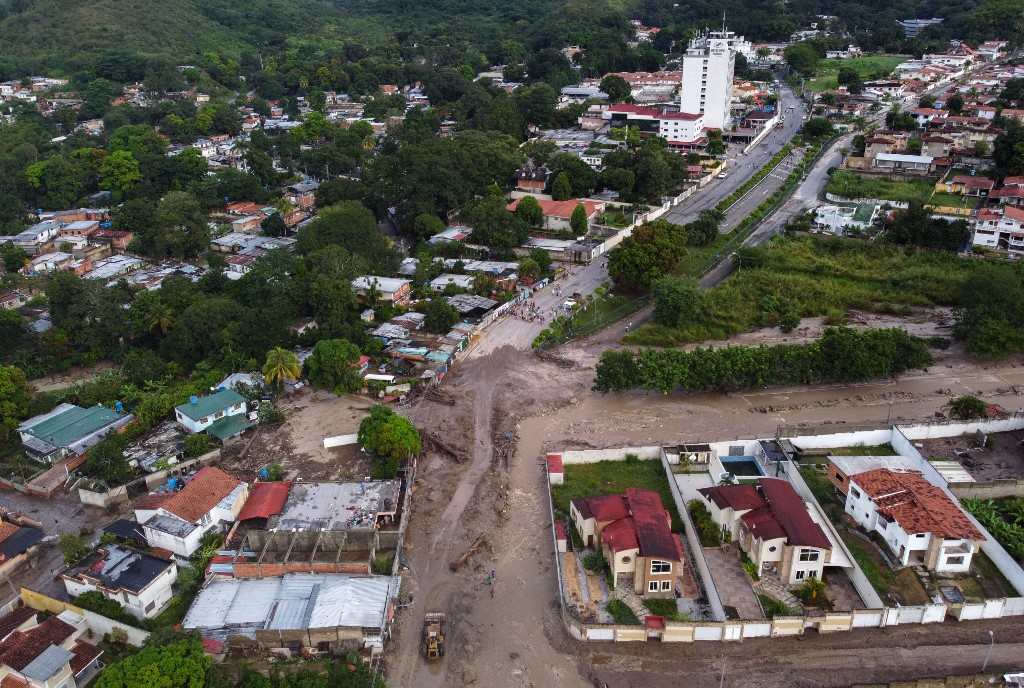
(50, 654)
(773, 527)
(634, 532)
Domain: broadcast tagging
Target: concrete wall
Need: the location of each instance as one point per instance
(119, 495)
(613, 454)
(697, 560)
(989, 489)
(98, 624)
(841, 439)
(953, 428)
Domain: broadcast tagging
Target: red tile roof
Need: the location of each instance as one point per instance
(915, 504)
(154, 501)
(602, 508)
(1013, 181)
(789, 510)
(689, 116)
(555, 463)
(84, 655)
(1010, 192)
(737, 497)
(265, 500)
(560, 531)
(562, 208)
(12, 681)
(10, 622)
(621, 536)
(212, 646)
(200, 494)
(635, 110)
(653, 525)
(1014, 213)
(20, 648)
(7, 530)
(973, 182)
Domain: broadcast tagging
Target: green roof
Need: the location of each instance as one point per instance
(229, 426)
(207, 406)
(73, 424)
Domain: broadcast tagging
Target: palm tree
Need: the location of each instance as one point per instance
(281, 365)
(162, 320)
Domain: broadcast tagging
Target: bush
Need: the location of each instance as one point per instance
(72, 546)
(789, 321)
(708, 532)
(197, 445)
(621, 613)
(967, 408)
(665, 608)
(772, 607)
(594, 561)
(751, 570)
(381, 565)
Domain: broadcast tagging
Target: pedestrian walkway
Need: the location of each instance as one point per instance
(732, 582)
(777, 591)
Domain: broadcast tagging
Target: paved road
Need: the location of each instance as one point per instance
(740, 168)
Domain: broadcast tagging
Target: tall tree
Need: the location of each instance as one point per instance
(281, 366)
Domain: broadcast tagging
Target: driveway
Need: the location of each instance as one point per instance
(731, 582)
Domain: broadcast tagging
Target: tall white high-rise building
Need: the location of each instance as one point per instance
(708, 67)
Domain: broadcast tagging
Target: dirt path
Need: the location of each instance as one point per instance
(69, 378)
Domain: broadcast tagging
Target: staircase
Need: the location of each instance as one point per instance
(777, 591)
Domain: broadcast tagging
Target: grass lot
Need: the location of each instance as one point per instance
(817, 277)
(612, 477)
(849, 185)
(993, 583)
(868, 67)
(954, 200)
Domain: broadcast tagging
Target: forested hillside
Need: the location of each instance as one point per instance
(69, 35)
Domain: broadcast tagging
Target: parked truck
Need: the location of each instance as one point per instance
(432, 646)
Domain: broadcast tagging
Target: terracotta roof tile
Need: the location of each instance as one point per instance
(265, 500)
(21, 647)
(738, 497)
(84, 654)
(200, 494)
(915, 504)
(12, 681)
(10, 622)
(7, 530)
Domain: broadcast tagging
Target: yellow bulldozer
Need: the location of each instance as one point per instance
(432, 646)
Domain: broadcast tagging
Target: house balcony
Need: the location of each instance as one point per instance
(960, 548)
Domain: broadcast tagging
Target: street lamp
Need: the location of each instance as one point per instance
(991, 644)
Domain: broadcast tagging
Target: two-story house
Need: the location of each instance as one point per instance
(1000, 228)
(139, 582)
(773, 527)
(391, 290)
(633, 531)
(50, 654)
(176, 520)
(222, 415)
(919, 522)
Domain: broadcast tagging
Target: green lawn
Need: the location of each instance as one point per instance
(868, 67)
(864, 450)
(612, 477)
(955, 200)
(849, 185)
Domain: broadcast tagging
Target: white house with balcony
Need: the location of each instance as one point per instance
(919, 522)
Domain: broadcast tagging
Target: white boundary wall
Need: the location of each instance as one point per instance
(901, 438)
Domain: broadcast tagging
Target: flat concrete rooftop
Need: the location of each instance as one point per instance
(337, 506)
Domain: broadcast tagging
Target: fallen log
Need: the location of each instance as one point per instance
(442, 445)
(457, 564)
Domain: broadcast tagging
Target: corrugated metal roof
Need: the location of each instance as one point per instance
(294, 601)
(49, 662)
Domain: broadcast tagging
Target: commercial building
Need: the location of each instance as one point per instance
(708, 68)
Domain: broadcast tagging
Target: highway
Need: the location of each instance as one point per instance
(739, 168)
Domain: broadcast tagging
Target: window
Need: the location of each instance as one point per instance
(809, 555)
(839, 478)
(666, 585)
(772, 548)
(855, 493)
(661, 566)
(954, 561)
(626, 559)
(652, 586)
(149, 607)
(812, 574)
(219, 414)
(800, 575)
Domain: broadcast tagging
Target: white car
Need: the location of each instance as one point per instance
(722, 175)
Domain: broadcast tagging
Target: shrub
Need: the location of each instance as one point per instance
(381, 565)
(621, 613)
(197, 445)
(594, 561)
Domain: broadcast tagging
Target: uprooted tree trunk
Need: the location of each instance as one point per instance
(458, 563)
